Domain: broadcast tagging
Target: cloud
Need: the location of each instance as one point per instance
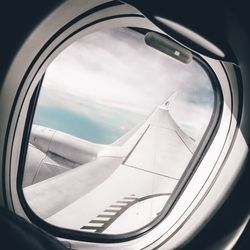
(116, 69)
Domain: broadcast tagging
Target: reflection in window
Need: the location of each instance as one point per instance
(116, 124)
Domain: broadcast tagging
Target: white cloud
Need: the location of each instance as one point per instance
(116, 69)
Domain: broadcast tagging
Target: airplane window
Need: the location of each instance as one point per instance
(115, 126)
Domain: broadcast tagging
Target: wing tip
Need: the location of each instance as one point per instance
(166, 104)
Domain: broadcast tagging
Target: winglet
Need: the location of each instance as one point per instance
(165, 105)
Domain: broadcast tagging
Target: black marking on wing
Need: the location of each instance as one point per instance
(121, 206)
(105, 220)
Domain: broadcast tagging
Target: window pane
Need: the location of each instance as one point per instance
(116, 124)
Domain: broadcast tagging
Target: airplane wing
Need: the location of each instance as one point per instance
(120, 180)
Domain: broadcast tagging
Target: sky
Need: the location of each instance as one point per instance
(114, 80)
